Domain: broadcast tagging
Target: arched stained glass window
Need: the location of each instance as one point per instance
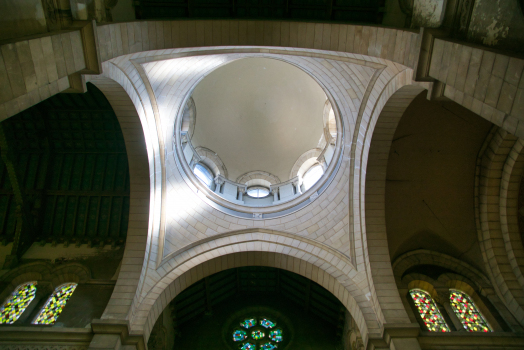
(429, 311)
(55, 304)
(17, 302)
(467, 312)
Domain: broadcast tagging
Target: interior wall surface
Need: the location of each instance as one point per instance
(430, 181)
(163, 104)
(158, 83)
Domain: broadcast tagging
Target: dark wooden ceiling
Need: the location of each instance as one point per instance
(362, 11)
(64, 175)
(204, 295)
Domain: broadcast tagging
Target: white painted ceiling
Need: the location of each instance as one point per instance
(258, 114)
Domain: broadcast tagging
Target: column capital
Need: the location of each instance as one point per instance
(219, 181)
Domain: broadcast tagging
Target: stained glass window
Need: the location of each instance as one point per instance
(257, 335)
(239, 335)
(253, 336)
(429, 311)
(16, 304)
(247, 346)
(276, 335)
(248, 323)
(467, 312)
(55, 304)
(267, 323)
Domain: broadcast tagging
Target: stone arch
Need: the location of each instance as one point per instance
(500, 166)
(391, 77)
(139, 153)
(189, 118)
(311, 259)
(212, 160)
(328, 127)
(312, 153)
(425, 284)
(258, 174)
(379, 136)
(429, 257)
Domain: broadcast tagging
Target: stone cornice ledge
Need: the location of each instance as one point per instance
(436, 341)
(488, 341)
(121, 328)
(44, 334)
(394, 330)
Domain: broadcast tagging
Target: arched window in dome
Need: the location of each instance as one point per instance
(204, 174)
(55, 304)
(467, 312)
(17, 302)
(257, 191)
(429, 311)
(312, 176)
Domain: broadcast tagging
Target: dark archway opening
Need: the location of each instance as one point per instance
(205, 315)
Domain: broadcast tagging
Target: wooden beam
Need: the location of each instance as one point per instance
(208, 294)
(24, 232)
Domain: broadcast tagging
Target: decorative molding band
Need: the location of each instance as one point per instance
(120, 328)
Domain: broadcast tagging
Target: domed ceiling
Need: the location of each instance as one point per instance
(258, 114)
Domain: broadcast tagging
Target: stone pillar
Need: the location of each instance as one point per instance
(218, 184)
(322, 162)
(241, 191)
(275, 194)
(397, 336)
(114, 335)
(445, 307)
(296, 183)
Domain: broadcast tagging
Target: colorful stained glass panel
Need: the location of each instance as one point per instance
(55, 304)
(239, 335)
(248, 323)
(257, 335)
(267, 323)
(247, 346)
(467, 312)
(268, 346)
(16, 304)
(429, 311)
(276, 335)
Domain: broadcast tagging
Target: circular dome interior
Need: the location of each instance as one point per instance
(258, 114)
(254, 119)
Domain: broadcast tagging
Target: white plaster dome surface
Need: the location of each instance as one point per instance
(258, 114)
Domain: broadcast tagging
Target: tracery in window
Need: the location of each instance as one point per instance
(467, 312)
(257, 336)
(239, 335)
(204, 174)
(248, 323)
(17, 302)
(267, 323)
(55, 304)
(276, 335)
(429, 311)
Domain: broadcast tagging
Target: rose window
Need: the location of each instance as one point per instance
(257, 334)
